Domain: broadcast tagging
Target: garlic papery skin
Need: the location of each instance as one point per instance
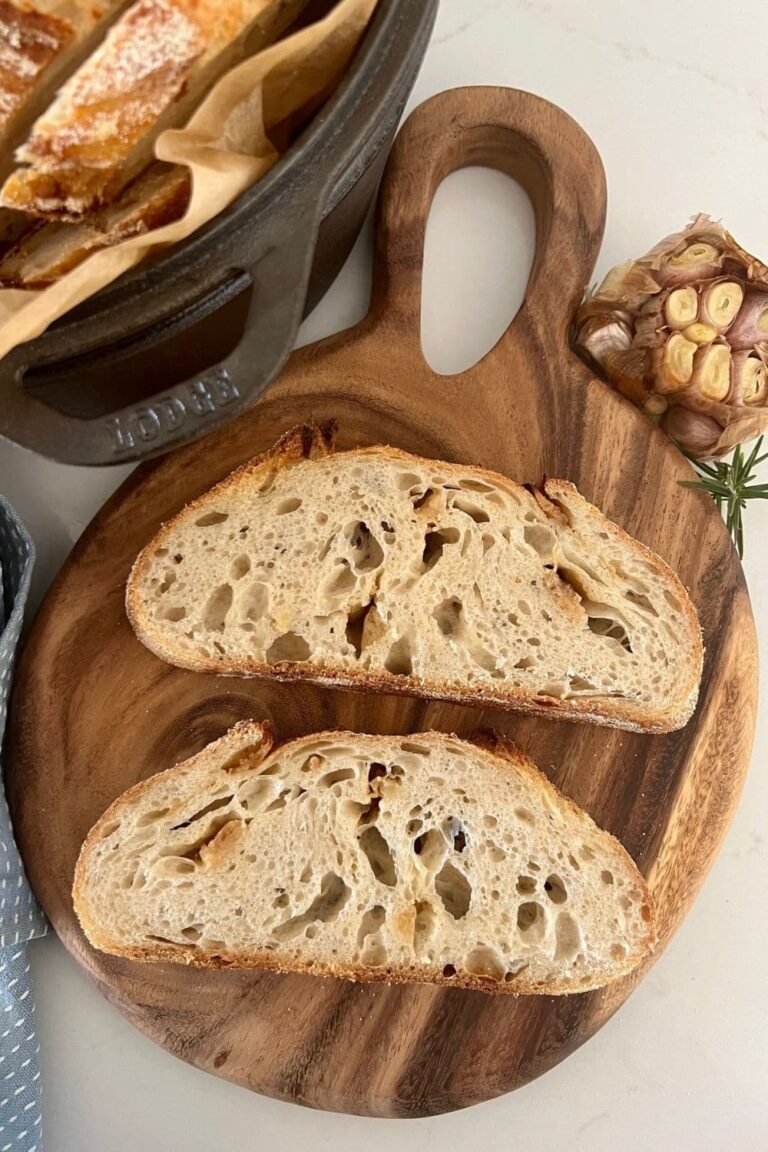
(750, 378)
(751, 325)
(684, 329)
(694, 432)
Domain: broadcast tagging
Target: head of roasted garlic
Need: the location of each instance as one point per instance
(683, 333)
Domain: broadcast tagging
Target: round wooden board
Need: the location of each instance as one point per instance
(94, 711)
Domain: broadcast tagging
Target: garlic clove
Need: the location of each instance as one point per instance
(720, 304)
(656, 405)
(712, 372)
(676, 364)
(700, 333)
(682, 307)
(694, 432)
(750, 379)
(694, 260)
(602, 334)
(751, 324)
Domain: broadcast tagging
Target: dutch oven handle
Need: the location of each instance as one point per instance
(277, 273)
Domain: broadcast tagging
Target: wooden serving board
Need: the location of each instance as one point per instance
(94, 711)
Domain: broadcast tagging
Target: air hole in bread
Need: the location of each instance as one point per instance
(490, 822)
(378, 854)
(356, 626)
(604, 626)
(283, 798)
(211, 518)
(618, 951)
(255, 602)
(415, 749)
(434, 543)
(555, 889)
(448, 615)
(474, 511)
(526, 816)
(580, 684)
(217, 608)
(568, 937)
(174, 613)
(641, 602)
(420, 497)
(341, 580)
(482, 657)
(212, 807)
(398, 661)
(174, 866)
(240, 566)
(367, 553)
(607, 876)
(531, 920)
(449, 971)
(281, 900)
(524, 607)
(470, 485)
(165, 940)
(376, 772)
(337, 776)
(485, 961)
(407, 480)
(291, 504)
(672, 600)
(431, 848)
(254, 793)
(193, 932)
(333, 895)
(371, 923)
(456, 834)
(424, 926)
(288, 648)
(168, 581)
(454, 890)
(414, 826)
(514, 971)
(542, 540)
(526, 885)
(149, 817)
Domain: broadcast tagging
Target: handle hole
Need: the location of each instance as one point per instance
(479, 249)
(103, 381)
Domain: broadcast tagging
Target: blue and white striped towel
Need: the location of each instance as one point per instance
(20, 916)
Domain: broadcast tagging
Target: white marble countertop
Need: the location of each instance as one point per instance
(675, 99)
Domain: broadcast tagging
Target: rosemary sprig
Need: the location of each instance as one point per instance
(729, 483)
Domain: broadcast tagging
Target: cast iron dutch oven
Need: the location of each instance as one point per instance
(119, 379)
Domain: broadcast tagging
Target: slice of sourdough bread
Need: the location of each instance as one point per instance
(400, 858)
(379, 570)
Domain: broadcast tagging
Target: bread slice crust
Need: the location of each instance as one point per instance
(313, 442)
(496, 755)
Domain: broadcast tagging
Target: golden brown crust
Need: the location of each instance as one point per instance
(309, 442)
(503, 752)
(29, 42)
(157, 60)
(50, 250)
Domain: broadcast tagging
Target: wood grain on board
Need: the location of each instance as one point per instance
(94, 711)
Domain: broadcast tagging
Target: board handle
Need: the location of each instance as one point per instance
(535, 143)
